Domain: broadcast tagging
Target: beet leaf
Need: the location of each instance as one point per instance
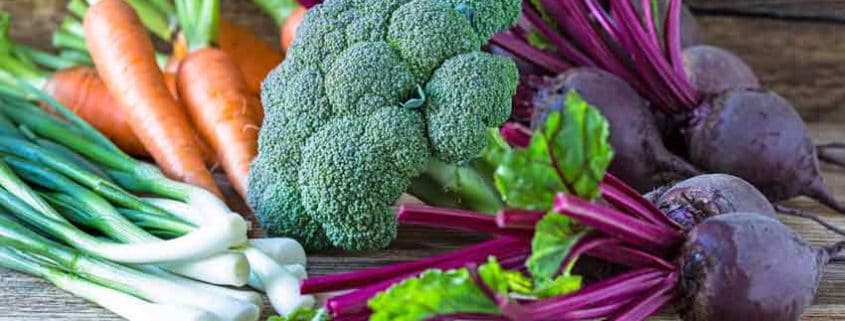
(569, 153)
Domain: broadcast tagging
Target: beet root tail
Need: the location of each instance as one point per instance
(819, 192)
(786, 210)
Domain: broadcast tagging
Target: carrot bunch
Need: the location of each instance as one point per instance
(188, 110)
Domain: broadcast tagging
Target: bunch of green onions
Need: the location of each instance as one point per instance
(68, 214)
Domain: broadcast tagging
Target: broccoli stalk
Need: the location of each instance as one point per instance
(457, 186)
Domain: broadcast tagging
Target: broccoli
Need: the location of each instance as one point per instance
(373, 95)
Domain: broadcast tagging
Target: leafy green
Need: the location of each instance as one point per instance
(433, 293)
(563, 284)
(304, 314)
(503, 281)
(569, 153)
(553, 239)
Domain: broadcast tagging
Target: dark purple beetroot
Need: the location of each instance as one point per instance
(757, 135)
(692, 201)
(713, 70)
(742, 266)
(641, 160)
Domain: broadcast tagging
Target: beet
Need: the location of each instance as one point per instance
(750, 133)
(713, 70)
(641, 160)
(746, 266)
(757, 135)
(691, 201)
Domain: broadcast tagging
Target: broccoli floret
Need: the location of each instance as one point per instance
(371, 92)
(355, 169)
(466, 95)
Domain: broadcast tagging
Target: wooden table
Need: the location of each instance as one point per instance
(796, 46)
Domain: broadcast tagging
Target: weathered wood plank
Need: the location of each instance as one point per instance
(830, 11)
(803, 62)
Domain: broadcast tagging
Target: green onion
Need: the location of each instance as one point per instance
(209, 239)
(122, 304)
(122, 278)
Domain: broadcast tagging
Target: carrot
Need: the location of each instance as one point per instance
(170, 70)
(288, 30)
(81, 90)
(221, 105)
(254, 57)
(125, 60)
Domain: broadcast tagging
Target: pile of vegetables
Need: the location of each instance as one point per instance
(184, 139)
(379, 98)
(693, 105)
(710, 247)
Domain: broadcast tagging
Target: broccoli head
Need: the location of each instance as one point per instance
(370, 93)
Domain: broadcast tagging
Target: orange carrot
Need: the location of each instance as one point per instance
(254, 56)
(125, 60)
(81, 90)
(221, 105)
(288, 30)
(170, 70)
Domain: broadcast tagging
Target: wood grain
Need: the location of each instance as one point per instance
(802, 60)
(804, 10)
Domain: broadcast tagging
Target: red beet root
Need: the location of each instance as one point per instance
(641, 160)
(748, 267)
(757, 135)
(691, 201)
(713, 70)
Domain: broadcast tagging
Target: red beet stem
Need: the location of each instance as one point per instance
(556, 39)
(673, 41)
(517, 135)
(624, 286)
(600, 312)
(651, 303)
(515, 219)
(585, 245)
(644, 205)
(625, 203)
(617, 224)
(519, 47)
(620, 254)
(648, 20)
(463, 220)
(649, 58)
(356, 302)
(351, 280)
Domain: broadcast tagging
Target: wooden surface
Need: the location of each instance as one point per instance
(797, 47)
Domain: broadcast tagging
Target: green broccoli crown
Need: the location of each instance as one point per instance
(370, 91)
